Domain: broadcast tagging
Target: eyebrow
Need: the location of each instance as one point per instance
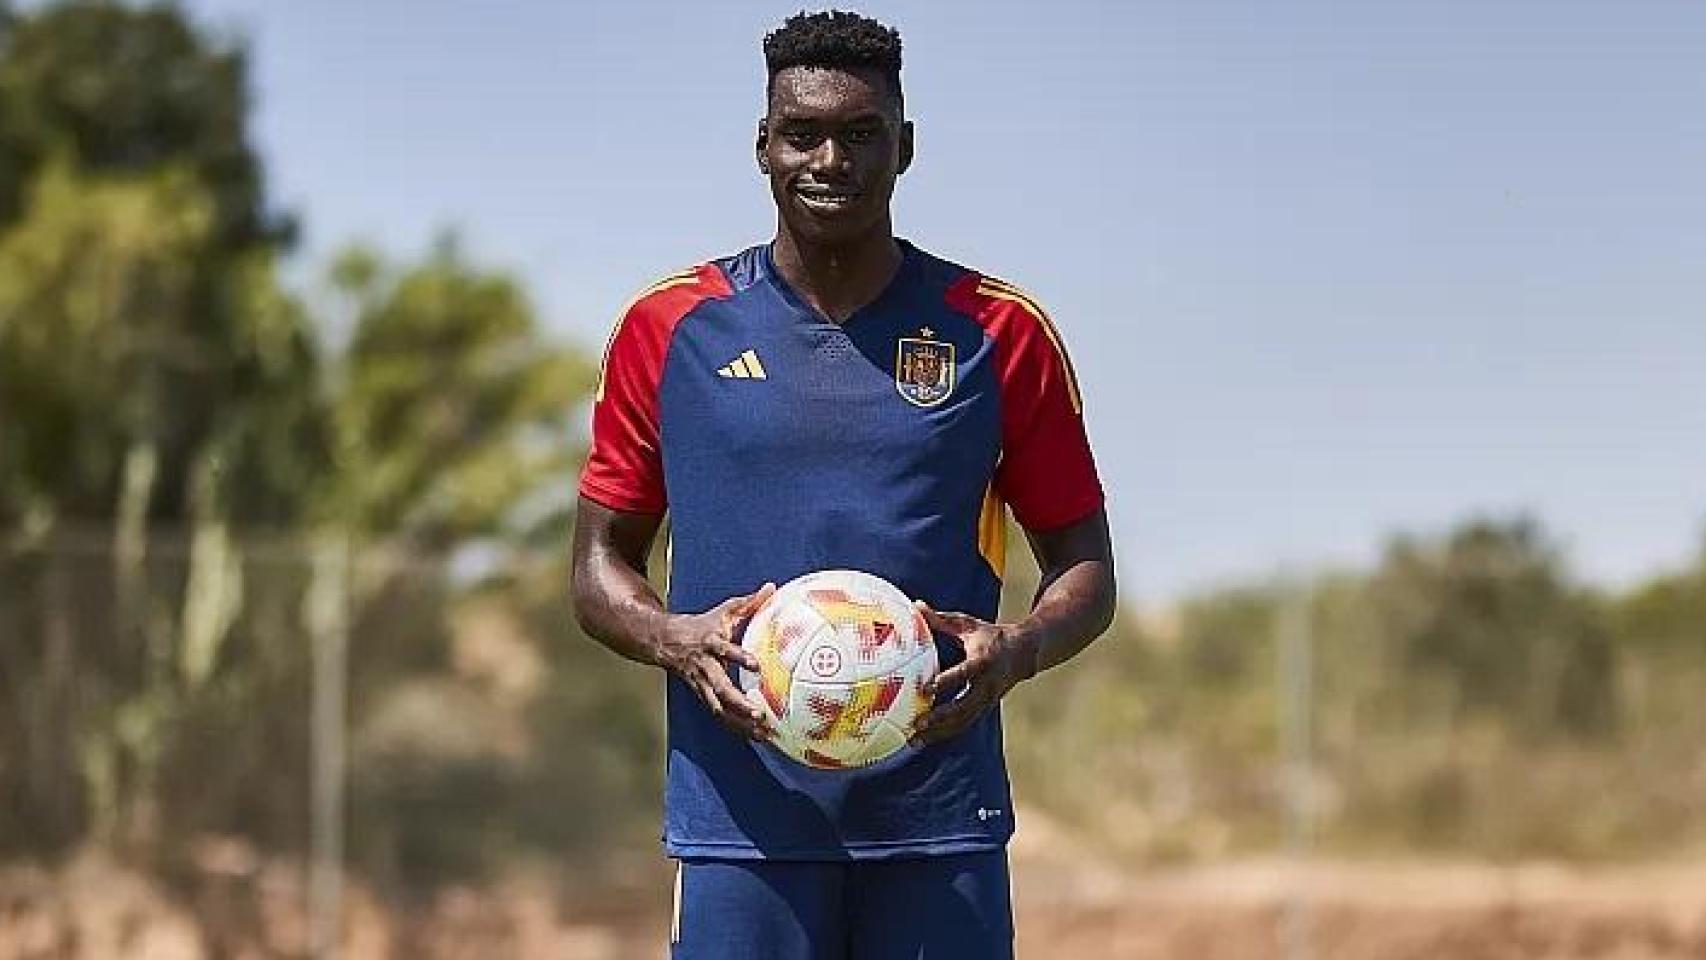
(868, 117)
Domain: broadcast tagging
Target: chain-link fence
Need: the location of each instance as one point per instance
(241, 723)
(302, 746)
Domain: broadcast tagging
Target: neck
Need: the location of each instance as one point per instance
(837, 279)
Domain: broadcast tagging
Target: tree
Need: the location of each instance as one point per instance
(160, 389)
(152, 373)
(107, 97)
(106, 376)
(125, 91)
(1666, 616)
(450, 412)
(1487, 619)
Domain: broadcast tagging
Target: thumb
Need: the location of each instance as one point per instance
(949, 623)
(753, 602)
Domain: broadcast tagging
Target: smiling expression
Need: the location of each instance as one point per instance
(832, 145)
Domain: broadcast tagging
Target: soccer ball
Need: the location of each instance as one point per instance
(843, 658)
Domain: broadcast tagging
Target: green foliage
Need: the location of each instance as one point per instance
(140, 268)
(101, 344)
(450, 411)
(175, 428)
(1488, 620)
(124, 91)
(96, 275)
(1466, 695)
(1666, 617)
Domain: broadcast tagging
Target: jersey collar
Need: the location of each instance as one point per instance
(804, 311)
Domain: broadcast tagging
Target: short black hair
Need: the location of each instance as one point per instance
(836, 39)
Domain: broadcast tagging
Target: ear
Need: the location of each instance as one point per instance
(761, 144)
(905, 146)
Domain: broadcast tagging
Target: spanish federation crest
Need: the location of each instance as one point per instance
(924, 369)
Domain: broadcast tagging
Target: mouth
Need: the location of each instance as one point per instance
(826, 200)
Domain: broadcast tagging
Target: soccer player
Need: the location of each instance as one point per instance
(838, 398)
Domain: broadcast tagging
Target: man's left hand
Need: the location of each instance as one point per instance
(997, 658)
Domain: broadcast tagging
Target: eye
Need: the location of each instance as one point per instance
(862, 136)
(802, 138)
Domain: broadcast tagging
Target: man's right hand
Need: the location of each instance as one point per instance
(700, 647)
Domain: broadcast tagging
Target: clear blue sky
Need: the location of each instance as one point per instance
(1328, 270)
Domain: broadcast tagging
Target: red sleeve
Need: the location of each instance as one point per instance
(624, 469)
(1046, 472)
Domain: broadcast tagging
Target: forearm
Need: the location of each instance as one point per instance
(1072, 609)
(616, 606)
(1076, 599)
(612, 599)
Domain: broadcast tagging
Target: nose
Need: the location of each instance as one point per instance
(831, 157)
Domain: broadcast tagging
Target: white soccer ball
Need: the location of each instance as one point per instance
(843, 659)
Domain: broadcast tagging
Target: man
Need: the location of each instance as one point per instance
(838, 398)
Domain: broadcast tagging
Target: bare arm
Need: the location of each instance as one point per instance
(617, 606)
(1074, 605)
(613, 601)
(1076, 596)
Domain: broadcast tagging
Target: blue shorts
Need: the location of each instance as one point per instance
(929, 908)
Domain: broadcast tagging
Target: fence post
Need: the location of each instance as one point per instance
(328, 603)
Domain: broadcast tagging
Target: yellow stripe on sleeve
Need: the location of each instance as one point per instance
(673, 280)
(1005, 291)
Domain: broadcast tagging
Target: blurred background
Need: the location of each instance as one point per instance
(1390, 323)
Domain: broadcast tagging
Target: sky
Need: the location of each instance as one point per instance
(1328, 271)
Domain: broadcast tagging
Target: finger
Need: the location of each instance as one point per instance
(952, 718)
(741, 608)
(702, 689)
(766, 728)
(736, 607)
(966, 671)
(732, 652)
(736, 720)
(739, 611)
(742, 712)
(953, 624)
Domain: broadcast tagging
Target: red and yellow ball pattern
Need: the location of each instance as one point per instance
(843, 659)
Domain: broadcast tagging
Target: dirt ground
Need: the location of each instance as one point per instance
(1068, 905)
(1395, 911)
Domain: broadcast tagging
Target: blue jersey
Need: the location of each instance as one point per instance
(781, 443)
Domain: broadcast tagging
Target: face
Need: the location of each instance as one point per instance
(832, 146)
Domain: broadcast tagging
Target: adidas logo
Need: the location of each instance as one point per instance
(744, 367)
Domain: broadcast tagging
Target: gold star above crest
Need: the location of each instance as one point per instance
(926, 332)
